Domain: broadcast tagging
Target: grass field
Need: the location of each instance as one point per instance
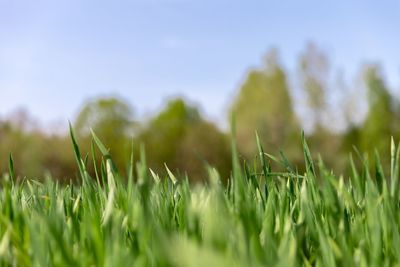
(260, 218)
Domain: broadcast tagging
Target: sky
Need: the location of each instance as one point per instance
(56, 54)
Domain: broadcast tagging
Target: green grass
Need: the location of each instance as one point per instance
(260, 218)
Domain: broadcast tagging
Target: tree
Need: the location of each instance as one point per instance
(322, 115)
(164, 132)
(379, 124)
(112, 120)
(204, 144)
(314, 75)
(264, 104)
(180, 138)
(23, 142)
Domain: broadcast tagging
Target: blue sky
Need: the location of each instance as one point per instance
(56, 54)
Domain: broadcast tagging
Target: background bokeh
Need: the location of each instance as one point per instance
(169, 75)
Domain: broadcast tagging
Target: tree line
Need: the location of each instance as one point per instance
(338, 119)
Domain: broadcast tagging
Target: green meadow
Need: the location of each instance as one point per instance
(189, 133)
(259, 217)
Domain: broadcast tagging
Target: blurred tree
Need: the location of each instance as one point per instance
(204, 144)
(397, 118)
(264, 104)
(322, 116)
(59, 161)
(35, 152)
(179, 137)
(112, 120)
(379, 124)
(164, 132)
(24, 145)
(314, 75)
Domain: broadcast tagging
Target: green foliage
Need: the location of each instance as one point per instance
(261, 218)
(167, 129)
(112, 119)
(179, 137)
(31, 151)
(380, 119)
(264, 104)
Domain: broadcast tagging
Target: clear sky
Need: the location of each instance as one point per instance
(54, 54)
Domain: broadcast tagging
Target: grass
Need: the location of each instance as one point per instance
(260, 218)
